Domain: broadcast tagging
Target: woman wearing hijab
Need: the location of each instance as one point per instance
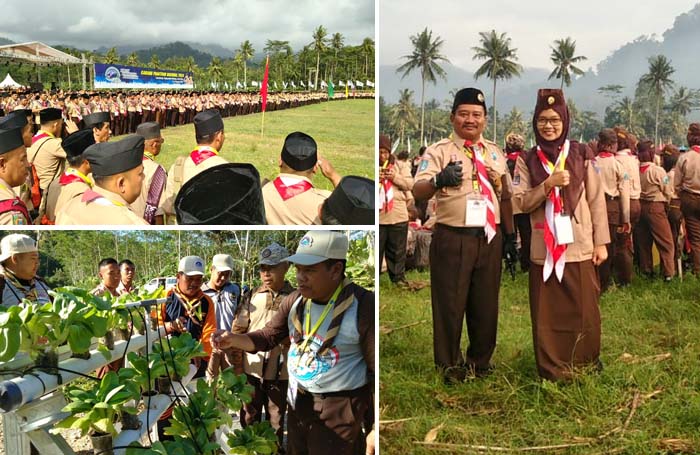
(557, 184)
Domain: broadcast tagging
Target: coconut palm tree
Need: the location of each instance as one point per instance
(337, 41)
(659, 81)
(319, 44)
(215, 71)
(133, 60)
(500, 63)
(246, 51)
(625, 109)
(563, 58)
(403, 114)
(683, 101)
(155, 61)
(367, 48)
(514, 122)
(425, 57)
(111, 57)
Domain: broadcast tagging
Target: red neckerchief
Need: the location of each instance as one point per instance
(386, 193)
(69, 178)
(289, 191)
(200, 155)
(605, 154)
(695, 148)
(39, 136)
(644, 167)
(513, 156)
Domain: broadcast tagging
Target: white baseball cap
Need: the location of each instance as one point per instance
(16, 244)
(222, 262)
(317, 246)
(191, 265)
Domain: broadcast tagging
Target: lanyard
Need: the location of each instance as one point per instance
(307, 322)
(80, 175)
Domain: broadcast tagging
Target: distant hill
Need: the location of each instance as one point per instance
(624, 67)
(4, 41)
(164, 52)
(213, 49)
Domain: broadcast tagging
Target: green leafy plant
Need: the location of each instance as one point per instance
(152, 368)
(176, 353)
(11, 333)
(256, 439)
(81, 317)
(193, 424)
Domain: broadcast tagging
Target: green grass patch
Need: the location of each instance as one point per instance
(343, 130)
(513, 408)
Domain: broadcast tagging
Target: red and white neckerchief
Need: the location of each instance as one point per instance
(695, 148)
(556, 254)
(288, 187)
(202, 153)
(645, 167)
(72, 175)
(476, 152)
(41, 135)
(606, 154)
(386, 193)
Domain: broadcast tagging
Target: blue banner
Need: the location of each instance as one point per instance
(120, 76)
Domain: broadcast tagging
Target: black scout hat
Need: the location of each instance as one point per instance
(225, 194)
(208, 122)
(352, 201)
(10, 140)
(14, 119)
(75, 144)
(299, 151)
(469, 96)
(110, 158)
(49, 114)
(148, 130)
(92, 120)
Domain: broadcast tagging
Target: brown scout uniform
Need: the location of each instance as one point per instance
(393, 225)
(139, 205)
(616, 186)
(12, 217)
(465, 270)
(48, 158)
(687, 184)
(653, 225)
(58, 195)
(565, 316)
(624, 242)
(110, 209)
(301, 209)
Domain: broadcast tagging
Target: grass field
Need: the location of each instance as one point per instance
(646, 400)
(343, 130)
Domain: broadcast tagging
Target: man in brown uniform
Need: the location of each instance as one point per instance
(266, 371)
(653, 225)
(98, 122)
(46, 153)
(118, 172)
(687, 183)
(74, 181)
(615, 183)
(470, 179)
(151, 200)
(13, 172)
(630, 163)
(291, 197)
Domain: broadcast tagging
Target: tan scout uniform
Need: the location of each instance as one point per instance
(298, 210)
(687, 185)
(616, 186)
(111, 209)
(48, 158)
(139, 205)
(393, 225)
(465, 270)
(12, 217)
(653, 225)
(58, 196)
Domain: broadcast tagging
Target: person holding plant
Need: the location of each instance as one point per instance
(19, 257)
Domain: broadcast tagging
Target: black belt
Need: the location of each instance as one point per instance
(471, 231)
(342, 393)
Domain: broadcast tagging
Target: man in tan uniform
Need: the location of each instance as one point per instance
(209, 134)
(615, 183)
(75, 179)
(150, 202)
(266, 371)
(630, 163)
(13, 172)
(470, 179)
(98, 123)
(46, 153)
(291, 197)
(118, 173)
(687, 183)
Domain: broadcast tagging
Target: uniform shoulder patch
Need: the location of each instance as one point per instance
(666, 180)
(423, 165)
(516, 178)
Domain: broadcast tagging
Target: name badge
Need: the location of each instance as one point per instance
(476, 213)
(563, 229)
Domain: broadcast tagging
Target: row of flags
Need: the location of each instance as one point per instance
(285, 85)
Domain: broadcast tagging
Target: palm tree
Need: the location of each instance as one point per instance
(155, 61)
(625, 108)
(514, 122)
(500, 63)
(684, 101)
(215, 70)
(133, 60)
(367, 48)
(319, 45)
(111, 57)
(425, 57)
(659, 81)
(337, 41)
(403, 114)
(563, 58)
(246, 51)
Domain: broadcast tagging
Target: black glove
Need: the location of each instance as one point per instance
(450, 176)
(510, 253)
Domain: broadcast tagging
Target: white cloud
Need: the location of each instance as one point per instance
(86, 24)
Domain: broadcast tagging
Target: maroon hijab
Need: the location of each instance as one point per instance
(578, 153)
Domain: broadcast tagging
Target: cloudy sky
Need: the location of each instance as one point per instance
(89, 25)
(598, 26)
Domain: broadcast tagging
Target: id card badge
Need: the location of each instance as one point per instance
(476, 212)
(563, 229)
(292, 387)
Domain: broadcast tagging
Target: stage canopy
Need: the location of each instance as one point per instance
(37, 52)
(9, 82)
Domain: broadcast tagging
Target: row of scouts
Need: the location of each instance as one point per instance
(84, 179)
(167, 108)
(573, 203)
(320, 377)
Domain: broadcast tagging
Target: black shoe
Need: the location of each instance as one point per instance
(454, 375)
(482, 372)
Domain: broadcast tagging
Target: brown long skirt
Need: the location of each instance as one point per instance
(565, 320)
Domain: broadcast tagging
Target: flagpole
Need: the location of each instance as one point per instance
(263, 94)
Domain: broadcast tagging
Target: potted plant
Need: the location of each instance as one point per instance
(147, 371)
(80, 318)
(176, 353)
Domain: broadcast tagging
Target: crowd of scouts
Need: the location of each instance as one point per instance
(581, 213)
(48, 177)
(307, 351)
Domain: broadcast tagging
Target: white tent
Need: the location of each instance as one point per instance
(9, 82)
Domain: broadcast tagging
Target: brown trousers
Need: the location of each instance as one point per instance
(654, 227)
(675, 219)
(565, 319)
(690, 206)
(330, 424)
(272, 397)
(465, 277)
(522, 224)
